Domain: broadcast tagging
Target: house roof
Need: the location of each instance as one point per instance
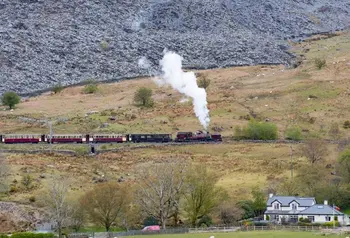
(286, 200)
(280, 212)
(320, 209)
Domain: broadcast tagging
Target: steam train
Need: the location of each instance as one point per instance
(109, 138)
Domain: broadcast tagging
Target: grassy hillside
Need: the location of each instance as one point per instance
(267, 92)
(241, 166)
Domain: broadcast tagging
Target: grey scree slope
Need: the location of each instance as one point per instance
(44, 42)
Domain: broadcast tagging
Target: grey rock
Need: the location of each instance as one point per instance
(44, 43)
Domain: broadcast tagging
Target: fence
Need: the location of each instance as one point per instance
(140, 232)
(196, 230)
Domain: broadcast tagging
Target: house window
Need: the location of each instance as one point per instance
(328, 218)
(293, 219)
(294, 206)
(311, 218)
(276, 206)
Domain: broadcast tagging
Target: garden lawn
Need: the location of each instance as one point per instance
(252, 234)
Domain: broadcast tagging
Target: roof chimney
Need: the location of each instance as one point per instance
(325, 202)
(270, 195)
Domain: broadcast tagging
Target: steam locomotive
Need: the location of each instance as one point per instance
(108, 138)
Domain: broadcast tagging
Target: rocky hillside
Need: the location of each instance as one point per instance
(44, 42)
(15, 217)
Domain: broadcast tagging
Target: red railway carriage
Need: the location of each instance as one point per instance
(100, 138)
(66, 139)
(12, 139)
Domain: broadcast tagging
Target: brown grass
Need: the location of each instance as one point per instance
(269, 91)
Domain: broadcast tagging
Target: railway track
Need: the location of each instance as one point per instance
(131, 146)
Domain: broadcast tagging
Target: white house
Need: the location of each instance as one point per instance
(291, 209)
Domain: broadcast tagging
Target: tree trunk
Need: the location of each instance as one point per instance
(59, 231)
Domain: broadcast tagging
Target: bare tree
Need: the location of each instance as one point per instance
(77, 216)
(315, 150)
(57, 203)
(107, 202)
(201, 193)
(4, 170)
(309, 179)
(159, 190)
(230, 213)
(288, 188)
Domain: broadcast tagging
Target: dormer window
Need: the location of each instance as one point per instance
(294, 206)
(276, 206)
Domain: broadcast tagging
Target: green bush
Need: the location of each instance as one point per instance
(258, 131)
(304, 220)
(91, 87)
(3, 235)
(205, 220)
(267, 217)
(331, 223)
(57, 88)
(27, 181)
(32, 235)
(203, 82)
(10, 99)
(32, 199)
(320, 63)
(294, 133)
(346, 125)
(143, 97)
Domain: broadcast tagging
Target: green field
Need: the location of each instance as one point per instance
(252, 234)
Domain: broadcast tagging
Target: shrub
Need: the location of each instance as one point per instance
(57, 88)
(13, 189)
(346, 125)
(32, 235)
(27, 181)
(331, 223)
(304, 220)
(205, 221)
(267, 217)
(320, 63)
(32, 199)
(91, 87)
(260, 131)
(143, 97)
(104, 45)
(10, 99)
(3, 235)
(203, 82)
(294, 133)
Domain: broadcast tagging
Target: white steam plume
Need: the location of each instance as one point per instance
(185, 83)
